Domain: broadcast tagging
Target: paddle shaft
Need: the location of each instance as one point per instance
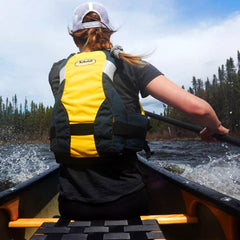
(193, 128)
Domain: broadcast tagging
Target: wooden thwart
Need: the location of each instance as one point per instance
(30, 222)
(161, 219)
(171, 218)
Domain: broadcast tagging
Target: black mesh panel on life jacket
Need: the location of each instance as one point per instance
(60, 131)
(110, 111)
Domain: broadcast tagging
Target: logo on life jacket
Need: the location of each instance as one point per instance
(85, 62)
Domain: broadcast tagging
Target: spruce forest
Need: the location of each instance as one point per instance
(223, 94)
(24, 123)
(30, 122)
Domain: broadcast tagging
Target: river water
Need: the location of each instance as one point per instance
(215, 165)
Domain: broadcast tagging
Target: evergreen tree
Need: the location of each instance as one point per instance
(23, 125)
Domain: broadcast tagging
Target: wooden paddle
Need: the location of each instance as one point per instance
(193, 128)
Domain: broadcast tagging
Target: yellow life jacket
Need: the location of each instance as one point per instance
(89, 117)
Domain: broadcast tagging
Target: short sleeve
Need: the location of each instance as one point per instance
(145, 75)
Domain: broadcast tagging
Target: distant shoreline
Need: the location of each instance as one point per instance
(24, 142)
(173, 139)
(148, 139)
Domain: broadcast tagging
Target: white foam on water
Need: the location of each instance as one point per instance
(19, 163)
(214, 166)
(221, 174)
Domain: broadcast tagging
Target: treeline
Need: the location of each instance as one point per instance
(222, 92)
(31, 122)
(23, 123)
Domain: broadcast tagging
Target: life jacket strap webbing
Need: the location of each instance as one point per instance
(82, 129)
(119, 128)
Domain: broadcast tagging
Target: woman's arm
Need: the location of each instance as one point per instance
(198, 109)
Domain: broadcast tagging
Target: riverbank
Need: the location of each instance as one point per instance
(156, 136)
(173, 139)
(166, 136)
(14, 142)
(150, 138)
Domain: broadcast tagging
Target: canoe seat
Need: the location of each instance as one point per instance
(143, 227)
(64, 229)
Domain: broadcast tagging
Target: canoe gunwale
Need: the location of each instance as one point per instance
(222, 201)
(13, 192)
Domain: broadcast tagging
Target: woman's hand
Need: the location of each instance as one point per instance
(207, 133)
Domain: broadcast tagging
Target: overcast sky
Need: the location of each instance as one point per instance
(185, 38)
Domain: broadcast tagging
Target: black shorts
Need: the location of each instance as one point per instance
(129, 206)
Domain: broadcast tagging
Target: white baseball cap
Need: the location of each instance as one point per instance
(82, 10)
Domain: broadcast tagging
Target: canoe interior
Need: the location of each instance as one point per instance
(218, 215)
(171, 194)
(36, 197)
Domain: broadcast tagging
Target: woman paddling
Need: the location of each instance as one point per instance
(99, 178)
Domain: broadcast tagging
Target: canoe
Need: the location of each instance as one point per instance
(180, 209)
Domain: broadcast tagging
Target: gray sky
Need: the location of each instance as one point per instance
(183, 39)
